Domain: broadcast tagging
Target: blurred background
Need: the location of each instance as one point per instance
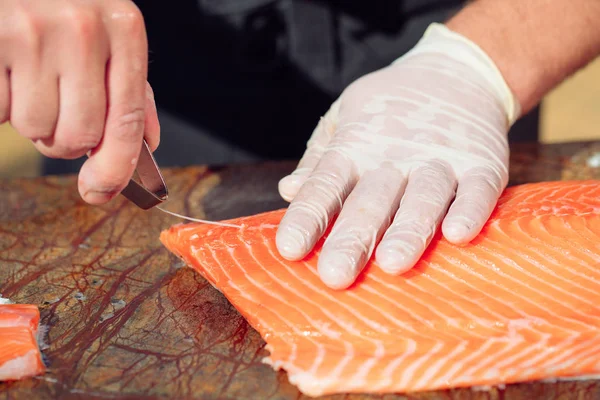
(246, 80)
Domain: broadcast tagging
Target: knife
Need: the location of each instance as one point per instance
(151, 190)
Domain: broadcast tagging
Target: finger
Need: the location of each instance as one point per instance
(366, 214)
(82, 89)
(34, 91)
(316, 204)
(4, 96)
(477, 195)
(290, 185)
(111, 165)
(428, 193)
(151, 125)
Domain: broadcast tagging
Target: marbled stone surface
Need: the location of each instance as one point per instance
(127, 320)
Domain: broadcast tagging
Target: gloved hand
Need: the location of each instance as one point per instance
(395, 150)
(73, 80)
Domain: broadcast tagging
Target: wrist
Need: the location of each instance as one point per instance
(522, 70)
(438, 39)
(535, 44)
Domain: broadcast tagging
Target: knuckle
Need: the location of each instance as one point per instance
(62, 152)
(31, 130)
(437, 166)
(129, 126)
(355, 88)
(128, 18)
(28, 31)
(82, 21)
(327, 182)
(484, 179)
(473, 207)
(76, 143)
(420, 225)
(353, 235)
(423, 227)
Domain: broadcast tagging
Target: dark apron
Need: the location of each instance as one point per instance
(244, 80)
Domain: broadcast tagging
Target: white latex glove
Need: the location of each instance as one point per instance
(393, 152)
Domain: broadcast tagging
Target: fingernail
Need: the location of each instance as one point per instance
(337, 272)
(291, 243)
(392, 261)
(96, 198)
(455, 233)
(289, 186)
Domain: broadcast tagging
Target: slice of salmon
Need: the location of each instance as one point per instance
(20, 356)
(519, 303)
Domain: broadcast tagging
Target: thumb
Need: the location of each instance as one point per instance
(315, 147)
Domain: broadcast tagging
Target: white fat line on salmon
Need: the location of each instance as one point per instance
(458, 367)
(497, 249)
(199, 220)
(337, 371)
(244, 294)
(522, 360)
(410, 370)
(387, 374)
(437, 364)
(564, 351)
(475, 261)
(349, 327)
(552, 364)
(333, 375)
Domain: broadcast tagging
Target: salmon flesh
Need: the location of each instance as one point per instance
(20, 355)
(521, 302)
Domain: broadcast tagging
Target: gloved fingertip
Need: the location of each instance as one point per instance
(336, 272)
(290, 185)
(392, 261)
(291, 243)
(457, 233)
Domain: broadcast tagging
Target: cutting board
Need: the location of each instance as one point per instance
(126, 319)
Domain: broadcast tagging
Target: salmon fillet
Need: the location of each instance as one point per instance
(521, 302)
(20, 356)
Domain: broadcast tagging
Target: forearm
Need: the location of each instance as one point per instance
(535, 44)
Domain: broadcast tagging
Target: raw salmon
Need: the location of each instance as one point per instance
(20, 356)
(519, 303)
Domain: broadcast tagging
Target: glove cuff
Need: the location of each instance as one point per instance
(439, 39)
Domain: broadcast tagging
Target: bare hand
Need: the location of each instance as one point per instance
(73, 79)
